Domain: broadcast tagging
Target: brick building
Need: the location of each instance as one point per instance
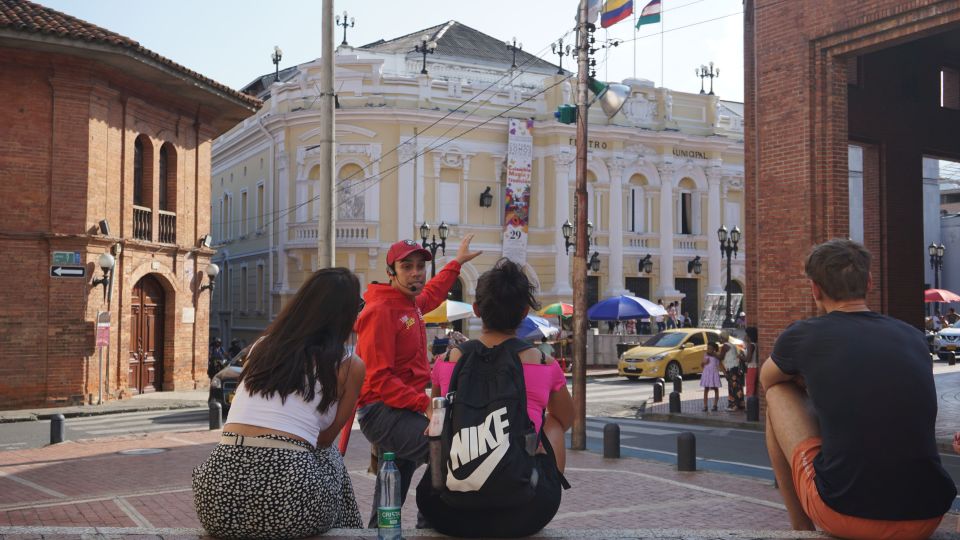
(845, 101)
(104, 148)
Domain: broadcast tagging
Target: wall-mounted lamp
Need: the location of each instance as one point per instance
(104, 227)
(594, 262)
(106, 262)
(646, 264)
(695, 266)
(206, 241)
(212, 272)
(486, 198)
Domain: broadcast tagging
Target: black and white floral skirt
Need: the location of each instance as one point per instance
(256, 492)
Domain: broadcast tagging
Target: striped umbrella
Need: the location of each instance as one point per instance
(558, 309)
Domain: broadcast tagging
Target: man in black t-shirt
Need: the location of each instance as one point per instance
(848, 457)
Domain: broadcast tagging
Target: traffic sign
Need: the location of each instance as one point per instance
(67, 271)
(66, 257)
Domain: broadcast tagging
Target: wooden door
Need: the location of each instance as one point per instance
(145, 373)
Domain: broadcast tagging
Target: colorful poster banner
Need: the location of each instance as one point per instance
(516, 214)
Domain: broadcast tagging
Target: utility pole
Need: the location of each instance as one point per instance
(579, 436)
(326, 231)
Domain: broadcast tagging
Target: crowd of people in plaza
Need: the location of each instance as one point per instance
(851, 464)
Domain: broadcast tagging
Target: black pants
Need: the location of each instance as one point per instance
(510, 522)
(399, 431)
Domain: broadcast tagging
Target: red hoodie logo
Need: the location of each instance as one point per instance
(407, 321)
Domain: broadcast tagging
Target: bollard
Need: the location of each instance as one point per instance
(674, 402)
(686, 452)
(216, 415)
(611, 440)
(753, 409)
(57, 429)
(678, 384)
(657, 392)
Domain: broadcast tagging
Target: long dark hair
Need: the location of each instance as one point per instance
(305, 343)
(503, 294)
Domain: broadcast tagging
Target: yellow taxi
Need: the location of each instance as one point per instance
(671, 353)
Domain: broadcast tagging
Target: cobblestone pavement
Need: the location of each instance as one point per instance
(139, 487)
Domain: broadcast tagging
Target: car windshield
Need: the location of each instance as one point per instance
(665, 339)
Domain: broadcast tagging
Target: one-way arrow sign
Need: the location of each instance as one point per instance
(67, 271)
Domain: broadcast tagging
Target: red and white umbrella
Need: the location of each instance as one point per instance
(940, 295)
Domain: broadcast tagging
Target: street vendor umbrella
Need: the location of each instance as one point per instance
(534, 327)
(623, 307)
(557, 310)
(940, 295)
(449, 311)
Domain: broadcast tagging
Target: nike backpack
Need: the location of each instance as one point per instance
(488, 441)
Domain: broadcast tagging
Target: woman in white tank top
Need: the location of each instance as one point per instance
(274, 474)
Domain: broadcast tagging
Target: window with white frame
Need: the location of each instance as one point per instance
(244, 290)
(261, 289)
(636, 203)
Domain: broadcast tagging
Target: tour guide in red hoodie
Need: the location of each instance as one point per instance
(392, 342)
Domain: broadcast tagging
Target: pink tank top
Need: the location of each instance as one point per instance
(540, 380)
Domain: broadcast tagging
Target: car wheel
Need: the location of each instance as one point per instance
(632, 377)
(673, 371)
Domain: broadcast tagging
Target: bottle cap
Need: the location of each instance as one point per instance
(438, 402)
(389, 456)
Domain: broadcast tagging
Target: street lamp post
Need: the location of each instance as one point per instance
(514, 47)
(569, 230)
(728, 248)
(425, 47)
(936, 262)
(433, 245)
(275, 57)
(345, 25)
(559, 50)
(705, 72)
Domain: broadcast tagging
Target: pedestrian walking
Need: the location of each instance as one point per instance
(504, 296)
(392, 340)
(274, 474)
(661, 326)
(672, 315)
(851, 462)
(710, 379)
(217, 358)
(732, 361)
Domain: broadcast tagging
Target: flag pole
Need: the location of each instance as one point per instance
(663, 83)
(634, 41)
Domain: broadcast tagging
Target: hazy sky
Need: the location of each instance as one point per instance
(231, 40)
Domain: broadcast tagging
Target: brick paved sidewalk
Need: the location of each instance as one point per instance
(140, 485)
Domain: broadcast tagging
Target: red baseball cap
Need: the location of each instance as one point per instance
(403, 249)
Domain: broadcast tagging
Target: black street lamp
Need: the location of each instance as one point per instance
(559, 50)
(594, 262)
(569, 230)
(707, 72)
(936, 262)
(646, 264)
(425, 47)
(344, 25)
(276, 56)
(728, 248)
(434, 245)
(514, 47)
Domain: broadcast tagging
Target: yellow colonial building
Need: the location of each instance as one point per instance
(412, 148)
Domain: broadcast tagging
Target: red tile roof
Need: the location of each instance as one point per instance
(29, 17)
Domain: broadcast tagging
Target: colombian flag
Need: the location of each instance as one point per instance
(650, 14)
(615, 11)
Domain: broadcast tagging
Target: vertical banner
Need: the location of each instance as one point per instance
(516, 211)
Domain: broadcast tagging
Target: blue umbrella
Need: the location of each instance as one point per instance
(534, 327)
(623, 307)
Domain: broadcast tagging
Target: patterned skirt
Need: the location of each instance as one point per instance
(256, 492)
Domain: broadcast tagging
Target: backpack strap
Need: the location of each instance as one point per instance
(543, 358)
(553, 456)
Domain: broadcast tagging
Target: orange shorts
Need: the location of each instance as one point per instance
(843, 525)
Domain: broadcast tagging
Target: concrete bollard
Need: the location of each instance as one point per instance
(753, 409)
(686, 452)
(216, 415)
(674, 402)
(678, 384)
(658, 391)
(611, 441)
(57, 429)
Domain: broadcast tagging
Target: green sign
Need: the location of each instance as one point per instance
(66, 257)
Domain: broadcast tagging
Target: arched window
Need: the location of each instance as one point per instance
(142, 188)
(138, 172)
(163, 177)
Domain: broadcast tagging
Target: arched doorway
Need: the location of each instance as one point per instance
(145, 366)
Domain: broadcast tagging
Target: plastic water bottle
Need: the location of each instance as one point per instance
(388, 513)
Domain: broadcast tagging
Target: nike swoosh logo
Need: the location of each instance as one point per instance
(475, 480)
